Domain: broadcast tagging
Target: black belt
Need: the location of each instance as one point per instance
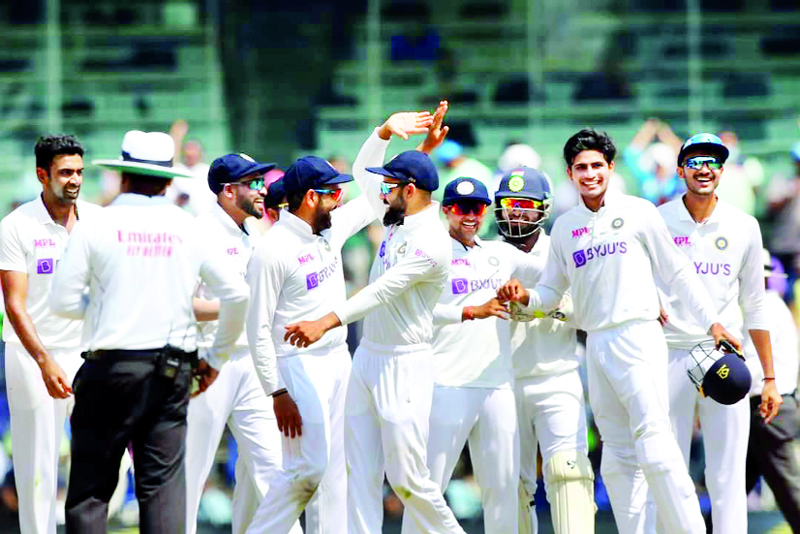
(113, 355)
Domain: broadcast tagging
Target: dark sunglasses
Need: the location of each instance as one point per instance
(466, 208)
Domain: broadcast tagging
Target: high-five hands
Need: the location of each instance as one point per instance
(405, 124)
(436, 132)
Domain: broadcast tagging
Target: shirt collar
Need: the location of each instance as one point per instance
(609, 200)
(227, 221)
(295, 224)
(135, 199)
(422, 218)
(685, 216)
(43, 216)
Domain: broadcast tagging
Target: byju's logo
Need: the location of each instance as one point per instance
(312, 281)
(460, 286)
(44, 266)
(580, 258)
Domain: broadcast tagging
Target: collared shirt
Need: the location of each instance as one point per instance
(725, 252)
(141, 259)
(409, 272)
(224, 237)
(607, 258)
(471, 354)
(783, 338)
(296, 275)
(543, 346)
(31, 242)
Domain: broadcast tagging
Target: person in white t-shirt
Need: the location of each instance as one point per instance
(606, 250)
(473, 396)
(42, 349)
(724, 246)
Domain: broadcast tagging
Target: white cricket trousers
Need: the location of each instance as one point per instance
(313, 464)
(627, 368)
(236, 399)
(37, 425)
(552, 417)
(387, 417)
(725, 430)
(486, 418)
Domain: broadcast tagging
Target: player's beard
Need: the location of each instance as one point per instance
(66, 194)
(396, 213)
(322, 219)
(250, 207)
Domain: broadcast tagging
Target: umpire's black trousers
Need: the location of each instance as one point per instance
(771, 453)
(121, 401)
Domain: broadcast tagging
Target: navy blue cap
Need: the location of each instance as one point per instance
(276, 194)
(524, 182)
(705, 141)
(310, 172)
(413, 167)
(232, 168)
(728, 380)
(465, 189)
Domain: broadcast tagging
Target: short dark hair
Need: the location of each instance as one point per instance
(143, 184)
(295, 199)
(50, 146)
(589, 139)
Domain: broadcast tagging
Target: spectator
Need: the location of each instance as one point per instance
(654, 165)
(744, 176)
(191, 194)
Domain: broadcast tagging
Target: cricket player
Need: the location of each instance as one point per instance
(605, 249)
(236, 397)
(724, 247)
(391, 387)
(473, 396)
(549, 392)
(42, 349)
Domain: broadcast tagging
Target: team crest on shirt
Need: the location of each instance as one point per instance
(494, 262)
(721, 243)
(617, 223)
(327, 245)
(402, 249)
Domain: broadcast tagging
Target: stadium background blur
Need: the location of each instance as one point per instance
(280, 80)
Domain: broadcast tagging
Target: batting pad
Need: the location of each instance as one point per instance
(570, 485)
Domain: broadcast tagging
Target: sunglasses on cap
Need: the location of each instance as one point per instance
(697, 163)
(336, 194)
(466, 208)
(521, 204)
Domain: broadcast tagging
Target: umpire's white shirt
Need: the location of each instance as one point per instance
(141, 258)
(725, 252)
(296, 275)
(223, 237)
(543, 346)
(607, 258)
(32, 243)
(473, 353)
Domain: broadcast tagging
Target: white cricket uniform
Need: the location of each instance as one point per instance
(391, 386)
(783, 338)
(296, 275)
(235, 398)
(725, 252)
(473, 396)
(549, 392)
(607, 258)
(32, 243)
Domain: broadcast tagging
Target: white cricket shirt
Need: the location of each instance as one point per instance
(225, 238)
(471, 353)
(409, 272)
(543, 346)
(607, 258)
(296, 275)
(141, 259)
(32, 243)
(725, 253)
(783, 338)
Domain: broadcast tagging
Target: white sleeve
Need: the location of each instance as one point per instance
(751, 284)
(526, 266)
(371, 154)
(222, 276)
(347, 220)
(265, 275)
(547, 294)
(414, 267)
(444, 314)
(675, 269)
(12, 253)
(72, 276)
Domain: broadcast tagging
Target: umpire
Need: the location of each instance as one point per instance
(140, 262)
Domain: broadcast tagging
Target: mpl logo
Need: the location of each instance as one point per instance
(312, 281)
(460, 286)
(44, 266)
(579, 232)
(682, 241)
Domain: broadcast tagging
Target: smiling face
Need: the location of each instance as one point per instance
(590, 172)
(704, 180)
(249, 197)
(395, 201)
(63, 180)
(465, 218)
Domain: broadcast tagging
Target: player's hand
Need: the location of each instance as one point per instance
(405, 124)
(55, 380)
(662, 317)
(205, 376)
(719, 333)
(513, 290)
(492, 308)
(436, 133)
(771, 401)
(288, 416)
(304, 333)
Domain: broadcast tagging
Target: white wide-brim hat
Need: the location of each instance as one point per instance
(146, 153)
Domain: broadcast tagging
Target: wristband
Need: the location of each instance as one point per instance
(767, 378)
(279, 393)
(468, 313)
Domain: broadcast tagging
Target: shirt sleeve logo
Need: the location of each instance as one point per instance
(44, 266)
(460, 286)
(580, 258)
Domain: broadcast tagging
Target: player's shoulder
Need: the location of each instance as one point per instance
(729, 213)
(670, 208)
(86, 208)
(630, 202)
(33, 209)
